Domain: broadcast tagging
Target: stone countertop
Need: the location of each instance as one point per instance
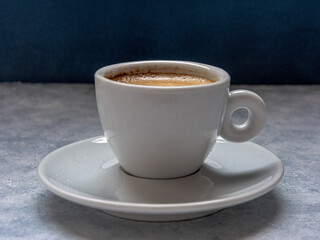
(36, 119)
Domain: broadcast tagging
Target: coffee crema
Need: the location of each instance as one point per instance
(161, 79)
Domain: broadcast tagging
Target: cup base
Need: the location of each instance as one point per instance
(159, 178)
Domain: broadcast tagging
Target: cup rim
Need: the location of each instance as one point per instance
(224, 77)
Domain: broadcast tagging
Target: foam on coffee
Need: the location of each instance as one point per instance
(161, 79)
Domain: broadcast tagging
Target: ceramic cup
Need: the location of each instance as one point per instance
(167, 132)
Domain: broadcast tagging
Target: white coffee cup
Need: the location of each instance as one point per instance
(167, 132)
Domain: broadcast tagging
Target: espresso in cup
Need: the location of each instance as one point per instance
(161, 79)
(157, 128)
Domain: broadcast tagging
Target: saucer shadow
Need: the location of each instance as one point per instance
(238, 222)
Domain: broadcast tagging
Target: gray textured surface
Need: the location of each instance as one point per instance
(37, 119)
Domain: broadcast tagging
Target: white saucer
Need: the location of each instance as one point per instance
(87, 173)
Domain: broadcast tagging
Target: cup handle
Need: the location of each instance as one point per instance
(256, 117)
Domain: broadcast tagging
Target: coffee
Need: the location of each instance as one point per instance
(161, 79)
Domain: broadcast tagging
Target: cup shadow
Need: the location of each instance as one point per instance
(237, 222)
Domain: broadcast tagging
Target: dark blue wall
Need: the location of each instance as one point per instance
(268, 42)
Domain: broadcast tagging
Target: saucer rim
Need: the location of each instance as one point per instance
(160, 208)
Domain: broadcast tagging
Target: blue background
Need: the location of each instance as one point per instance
(268, 42)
